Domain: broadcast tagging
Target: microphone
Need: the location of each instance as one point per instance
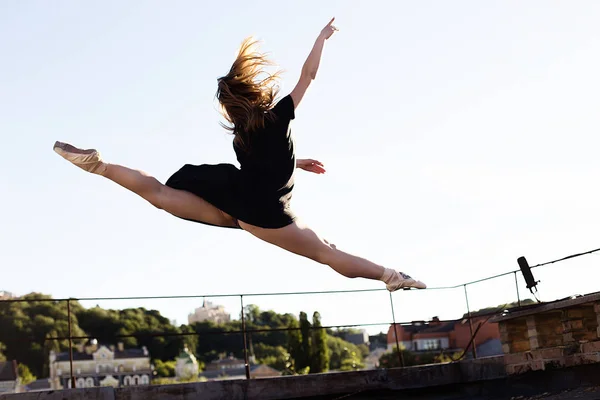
(526, 271)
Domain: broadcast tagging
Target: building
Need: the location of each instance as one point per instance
(99, 365)
(361, 337)
(209, 312)
(9, 377)
(186, 366)
(450, 336)
(234, 368)
(4, 295)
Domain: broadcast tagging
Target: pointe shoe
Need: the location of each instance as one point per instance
(403, 281)
(88, 160)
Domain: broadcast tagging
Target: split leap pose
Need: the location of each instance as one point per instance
(256, 197)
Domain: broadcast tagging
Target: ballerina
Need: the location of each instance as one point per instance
(256, 196)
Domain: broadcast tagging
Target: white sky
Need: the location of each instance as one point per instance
(458, 136)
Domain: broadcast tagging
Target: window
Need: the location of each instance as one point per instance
(127, 381)
(145, 380)
(432, 344)
(89, 382)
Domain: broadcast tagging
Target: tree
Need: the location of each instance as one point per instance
(25, 375)
(303, 359)
(294, 346)
(213, 339)
(164, 369)
(364, 350)
(343, 355)
(2, 349)
(274, 356)
(107, 325)
(351, 360)
(28, 325)
(189, 341)
(320, 351)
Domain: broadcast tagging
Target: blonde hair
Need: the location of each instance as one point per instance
(247, 93)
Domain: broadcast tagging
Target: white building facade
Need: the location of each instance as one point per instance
(209, 312)
(101, 366)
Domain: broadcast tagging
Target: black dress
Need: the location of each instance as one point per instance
(259, 192)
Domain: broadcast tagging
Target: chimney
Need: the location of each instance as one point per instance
(435, 321)
(121, 346)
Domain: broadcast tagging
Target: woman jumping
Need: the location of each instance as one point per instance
(256, 197)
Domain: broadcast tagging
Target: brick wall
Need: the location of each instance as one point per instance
(555, 338)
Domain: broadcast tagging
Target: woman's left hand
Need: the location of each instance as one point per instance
(309, 165)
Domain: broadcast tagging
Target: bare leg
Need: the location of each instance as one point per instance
(177, 202)
(300, 239)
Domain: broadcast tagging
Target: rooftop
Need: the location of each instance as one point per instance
(468, 379)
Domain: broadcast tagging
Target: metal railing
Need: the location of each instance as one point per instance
(245, 331)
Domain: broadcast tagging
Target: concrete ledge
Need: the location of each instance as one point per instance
(546, 307)
(289, 387)
(97, 393)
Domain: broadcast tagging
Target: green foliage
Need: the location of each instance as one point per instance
(164, 381)
(164, 368)
(212, 339)
(319, 350)
(274, 356)
(192, 379)
(391, 360)
(2, 349)
(344, 356)
(26, 325)
(364, 350)
(258, 319)
(294, 346)
(106, 325)
(25, 375)
(303, 358)
(443, 358)
(342, 332)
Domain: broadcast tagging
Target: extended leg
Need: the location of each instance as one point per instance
(177, 202)
(301, 240)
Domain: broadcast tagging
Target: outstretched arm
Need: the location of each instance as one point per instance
(311, 65)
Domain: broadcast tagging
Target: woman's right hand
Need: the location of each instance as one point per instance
(329, 29)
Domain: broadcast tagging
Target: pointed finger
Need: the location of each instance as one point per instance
(331, 22)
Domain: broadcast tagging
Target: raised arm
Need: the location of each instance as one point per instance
(311, 65)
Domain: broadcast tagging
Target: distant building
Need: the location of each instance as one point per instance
(4, 295)
(95, 365)
(357, 338)
(186, 366)
(209, 312)
(9, 377)
(234, 368)
(451, 336)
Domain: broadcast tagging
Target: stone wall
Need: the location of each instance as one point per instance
(552, 335)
